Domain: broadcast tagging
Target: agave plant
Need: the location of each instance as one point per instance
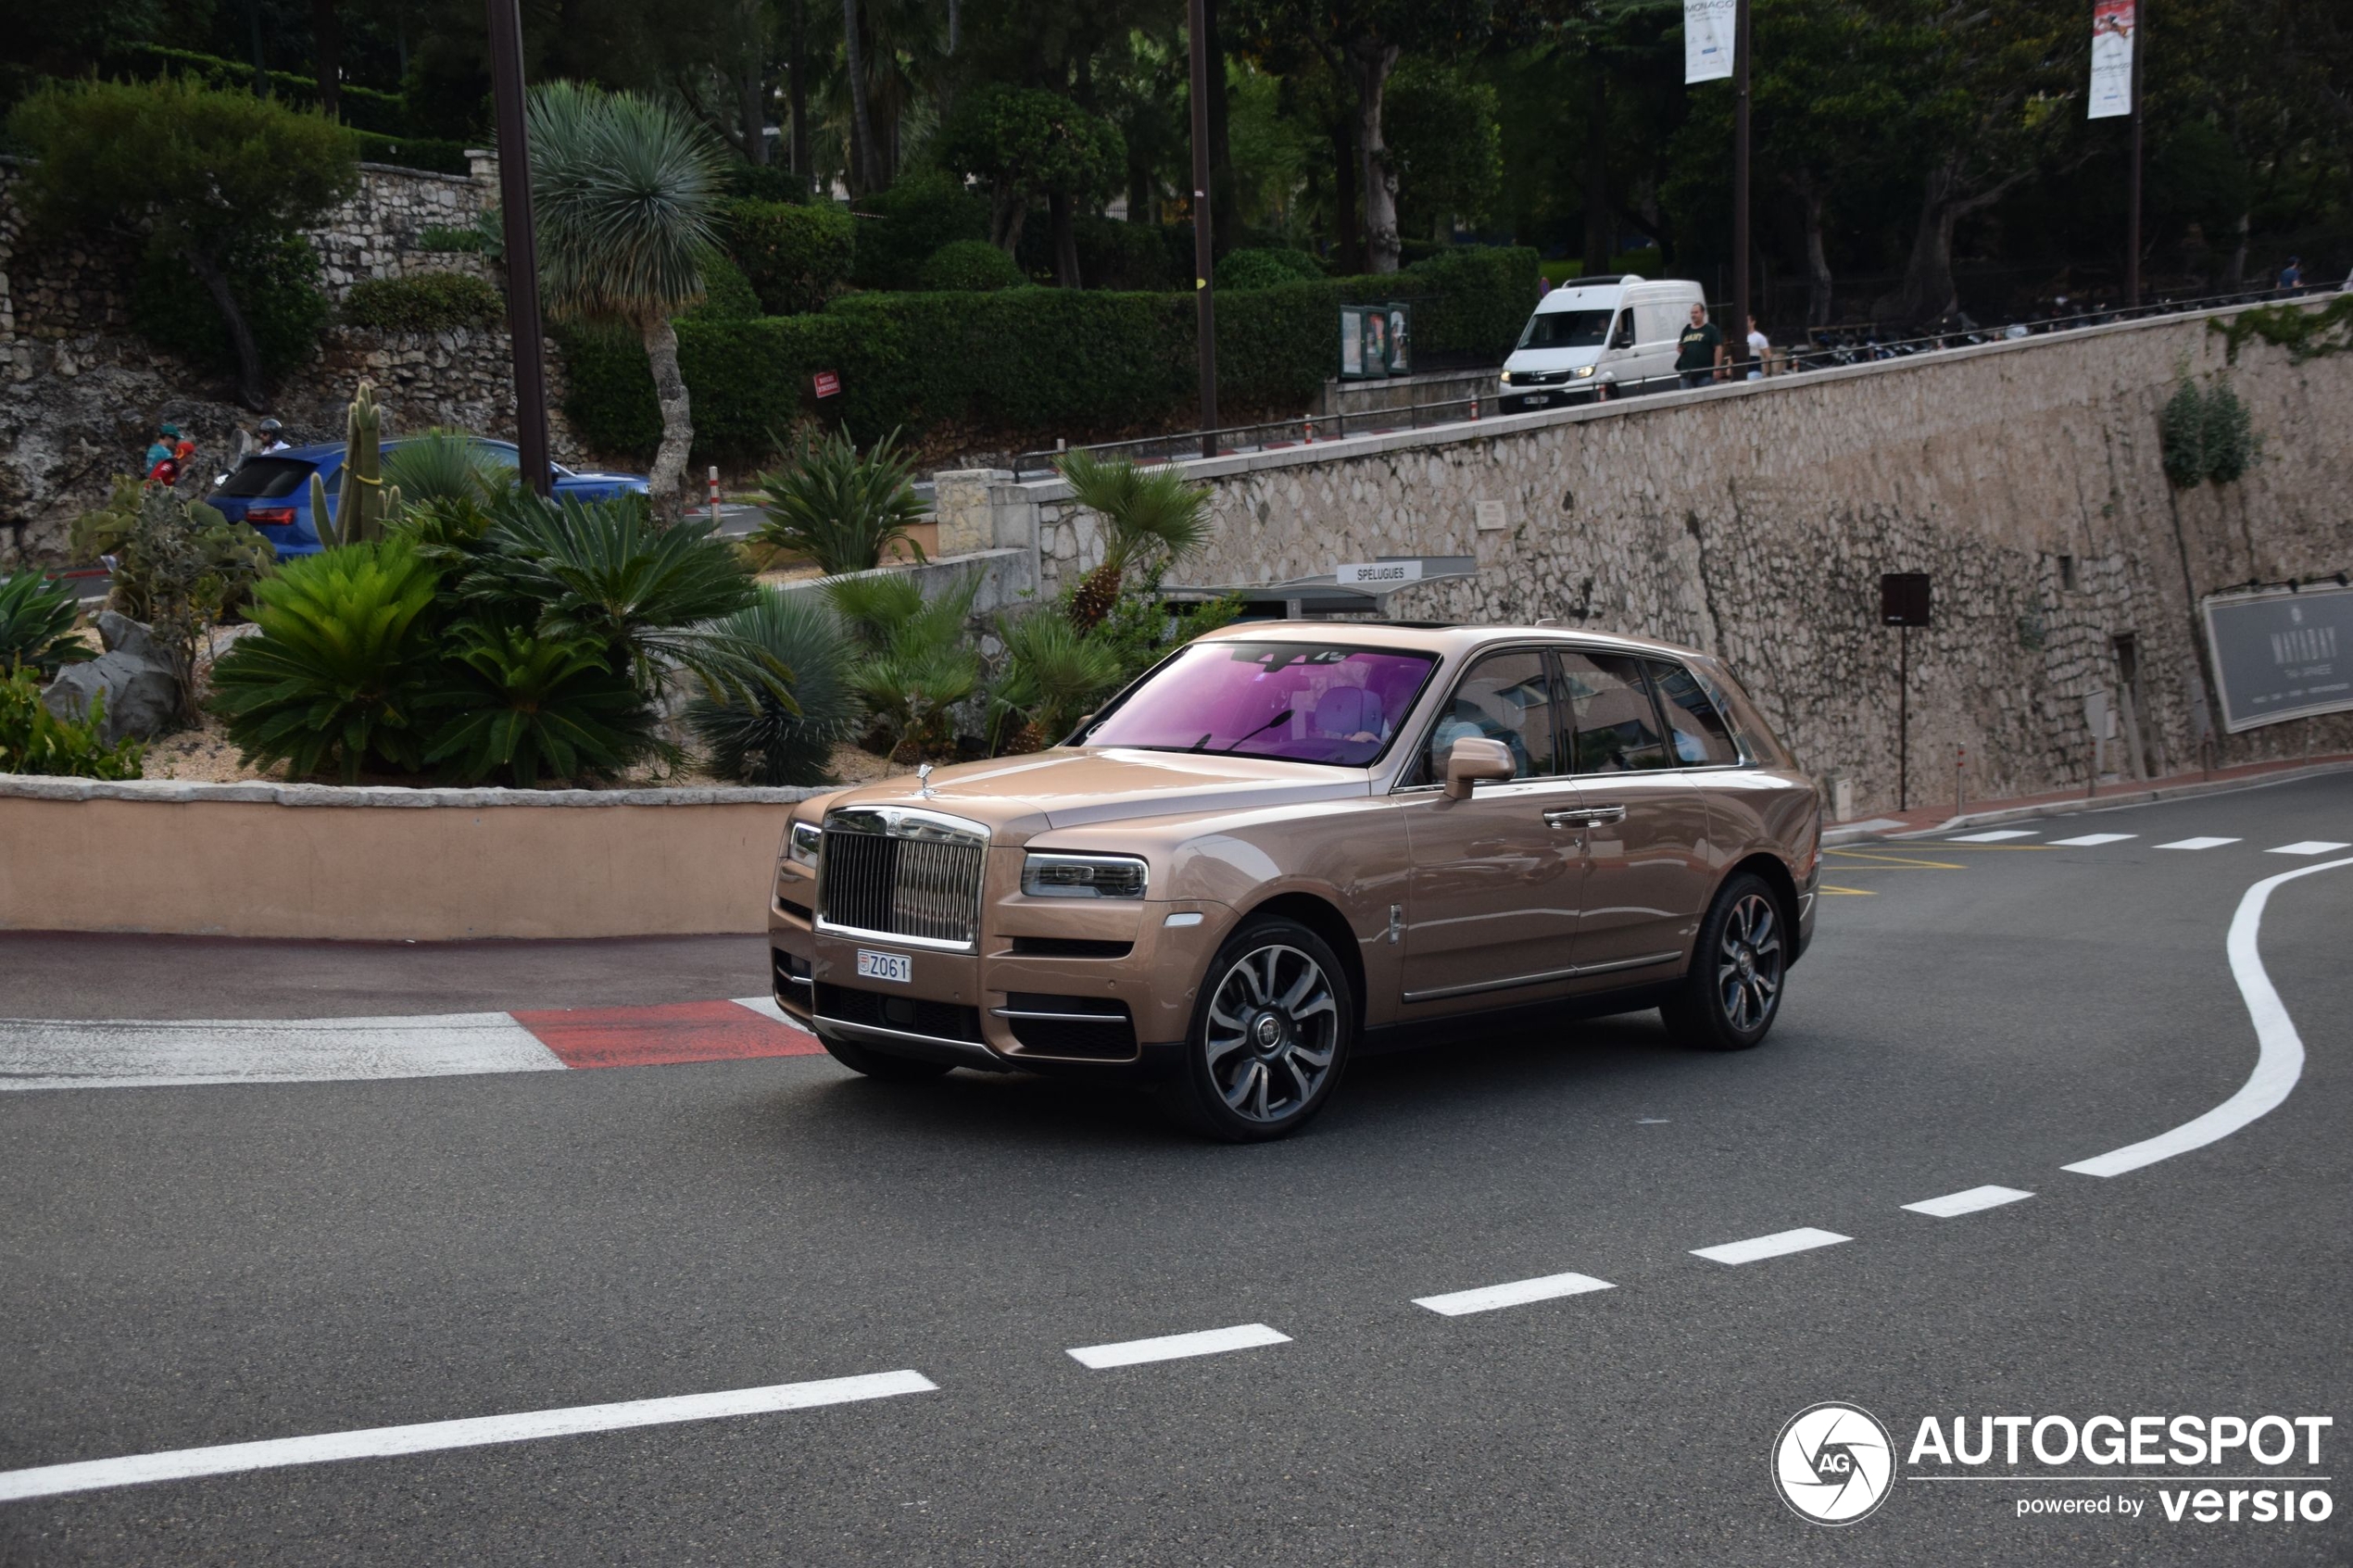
(344, 665)
(1052, 673)
(918, 662)
(841, 510)
(1144, 511)
(441, 466)
(761, 741)
(521, 705)
(625, 191)
(36, 624)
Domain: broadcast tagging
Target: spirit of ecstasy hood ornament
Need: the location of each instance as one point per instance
(922, 779)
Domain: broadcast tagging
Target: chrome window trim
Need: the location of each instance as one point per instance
(1574, 972)
(929, 944)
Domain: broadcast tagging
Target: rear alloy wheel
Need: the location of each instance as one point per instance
(1733, 992)
(1270, 1037)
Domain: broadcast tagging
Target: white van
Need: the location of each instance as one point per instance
(1584, 335)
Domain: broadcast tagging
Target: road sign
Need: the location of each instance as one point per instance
(828, 384)
(2281, 655)
(1903, 598)
(1377, 573)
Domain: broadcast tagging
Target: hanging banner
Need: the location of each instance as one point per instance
(2281, 655)
(1707, 39)
(2113, 23)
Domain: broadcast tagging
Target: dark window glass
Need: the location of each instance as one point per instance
(266, 479)
(1623, 336)
(1617, 727)
(1566, 329)
(1694, 730)
(1501, 699)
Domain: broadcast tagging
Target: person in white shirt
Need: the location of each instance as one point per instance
(1758, 348)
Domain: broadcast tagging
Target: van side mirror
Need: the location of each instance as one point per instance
(1473, 759)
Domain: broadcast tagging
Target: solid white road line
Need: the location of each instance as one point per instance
(382, 1441)
(1176, 1347)
(2309, 847)
(2198, 844)
(1774, 1246)
(766, 1008)
(1516, 1294)
(51, 1054)
(1997, 834)
(2089, 839)
(1968, 1202)
(2278, 1059)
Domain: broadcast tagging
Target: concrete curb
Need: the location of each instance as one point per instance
(1832, 837)
(25, 786)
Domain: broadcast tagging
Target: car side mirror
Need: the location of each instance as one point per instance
(1473, 759)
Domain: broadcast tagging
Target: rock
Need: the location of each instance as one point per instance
(142, 697)
(119, 633)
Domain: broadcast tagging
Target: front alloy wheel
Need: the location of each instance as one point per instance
(1271, 1036)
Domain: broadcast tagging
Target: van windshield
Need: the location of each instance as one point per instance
(1566, 329)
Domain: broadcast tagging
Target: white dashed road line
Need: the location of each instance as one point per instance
(1774, 1246)
(380, 1442)
(2091, 839)
(1176, 1347)
(2309, 847)
(2198, 844)
(50, 1054)
(1516, 1294)
(1997, 835)
(1969, 1202)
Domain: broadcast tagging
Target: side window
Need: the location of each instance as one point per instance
(1622, 335)
(1695, 732)
(1501, 699)
(1617, 727)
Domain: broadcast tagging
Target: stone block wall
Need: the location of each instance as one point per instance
(1754, 522)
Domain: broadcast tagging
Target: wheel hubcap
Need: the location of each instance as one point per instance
(1748, 969)
(1274, 1029)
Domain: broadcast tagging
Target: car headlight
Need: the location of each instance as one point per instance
(801, 841)
(1084, 876)
(1581, 371)
(1507, 378)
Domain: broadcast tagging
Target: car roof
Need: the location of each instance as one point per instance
(1445, 641)
(326, 451)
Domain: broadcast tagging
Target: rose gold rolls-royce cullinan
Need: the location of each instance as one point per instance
(1289, 836)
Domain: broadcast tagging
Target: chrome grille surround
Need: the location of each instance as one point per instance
(901, 875)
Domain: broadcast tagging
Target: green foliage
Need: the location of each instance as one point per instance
(274, 278)
(1266, 269)
(625, 193)
(1051, 675)
(468, 241)
(344, 671)
(2206, 435)
(363, 501)
(2305, 332)
(916, 661)
(36, 624)
(1147, 515)
(1142, 628)
(763, 741)
(519, 705)
(1028, 143)
(33, 740)
(842, 509)
(727, 295)
(362, 107)
(2230, 434)
(795, 257)
(2180, 430)
(424, 302)
(898, 229)
(412, 152)
(440, 466)
(1446, 142)
(764, 183)
(179, 566)
(971, 267)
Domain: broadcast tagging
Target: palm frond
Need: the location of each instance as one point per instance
(841, 510)
(625, 192)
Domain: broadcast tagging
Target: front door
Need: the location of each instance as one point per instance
(1493, 905)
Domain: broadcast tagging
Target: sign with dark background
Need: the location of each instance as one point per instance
(2282, 655)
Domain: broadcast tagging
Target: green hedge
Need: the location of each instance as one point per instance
(796, 257)
(412, 152)
(1037, 362)
(362, 108)
(423, 302)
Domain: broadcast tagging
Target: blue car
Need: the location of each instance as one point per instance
(272, 492)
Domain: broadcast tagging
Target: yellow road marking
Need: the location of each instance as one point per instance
(1850, 892)
(1873, 860)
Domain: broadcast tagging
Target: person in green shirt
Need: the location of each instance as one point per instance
(1699, 351)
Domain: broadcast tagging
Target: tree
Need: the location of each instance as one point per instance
(204, 177)
(1028, 143)
(1144, 512)
(626, 194)
(1447, 145)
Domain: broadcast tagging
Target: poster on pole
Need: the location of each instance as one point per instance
(2281, 655)
(1707, 39)
(2113, 23)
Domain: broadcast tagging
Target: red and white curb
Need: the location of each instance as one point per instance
(80, 1054)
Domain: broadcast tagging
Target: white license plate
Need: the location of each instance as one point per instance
(896, 967)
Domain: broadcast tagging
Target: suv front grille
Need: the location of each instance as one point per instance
(901, 872)
(1092, 1028)
(909, 1015)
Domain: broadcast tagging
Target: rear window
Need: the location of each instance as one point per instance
(1566, 329)
(266, 479)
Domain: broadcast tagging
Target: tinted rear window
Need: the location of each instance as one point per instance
(266, 479)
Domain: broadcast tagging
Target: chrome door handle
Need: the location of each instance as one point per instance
(1596, 815)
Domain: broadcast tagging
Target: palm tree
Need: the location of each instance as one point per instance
(1143, 510)
(626, 192)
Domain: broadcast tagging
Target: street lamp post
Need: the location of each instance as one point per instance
(2133, 199)
(523, 251)
(1736, 335)
(1206, 305)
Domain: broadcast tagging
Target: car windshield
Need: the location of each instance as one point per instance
(265, 479)
(1566, 329)
(1292, 701)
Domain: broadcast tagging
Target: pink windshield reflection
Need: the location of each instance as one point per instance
(1288, 700)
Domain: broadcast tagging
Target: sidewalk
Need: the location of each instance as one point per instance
(1940, 816)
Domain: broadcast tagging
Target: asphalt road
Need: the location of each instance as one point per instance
(199, 1266)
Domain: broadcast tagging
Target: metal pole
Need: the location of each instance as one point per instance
(522, 250)
(1903, 718)
(1205, 314)
(2132, 202)
(1736, 335)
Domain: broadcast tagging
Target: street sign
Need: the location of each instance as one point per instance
(1903, 598)
(828, 384)
(2281, 655)
(1377, 573)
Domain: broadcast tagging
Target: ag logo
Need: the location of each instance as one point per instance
(1834, 1463)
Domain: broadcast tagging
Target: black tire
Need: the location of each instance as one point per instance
(1740, 970)
(1270, 1038)
(882, 1065)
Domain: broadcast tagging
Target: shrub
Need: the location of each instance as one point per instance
(2204, 436)
(33, 740)
(970, 267)
(796, 257)
(766, 182)
(897, 229)
(763, 742)
(2181, 429)
(1266, 269)
(410, 152)
(2230, 434)
(179, 566)
(276, 281)
(519, 705)
(1052, 674)
(441, 466)
(841, 510)
(471, 241)
(917, 662)
(726, 294)
(36, 624)
(423, 302)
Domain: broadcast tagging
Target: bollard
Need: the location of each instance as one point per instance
(1960, 767)
(1474, 404)
(1309, 424)
(714, 497)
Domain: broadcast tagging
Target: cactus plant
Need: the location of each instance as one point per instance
(364, 503)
